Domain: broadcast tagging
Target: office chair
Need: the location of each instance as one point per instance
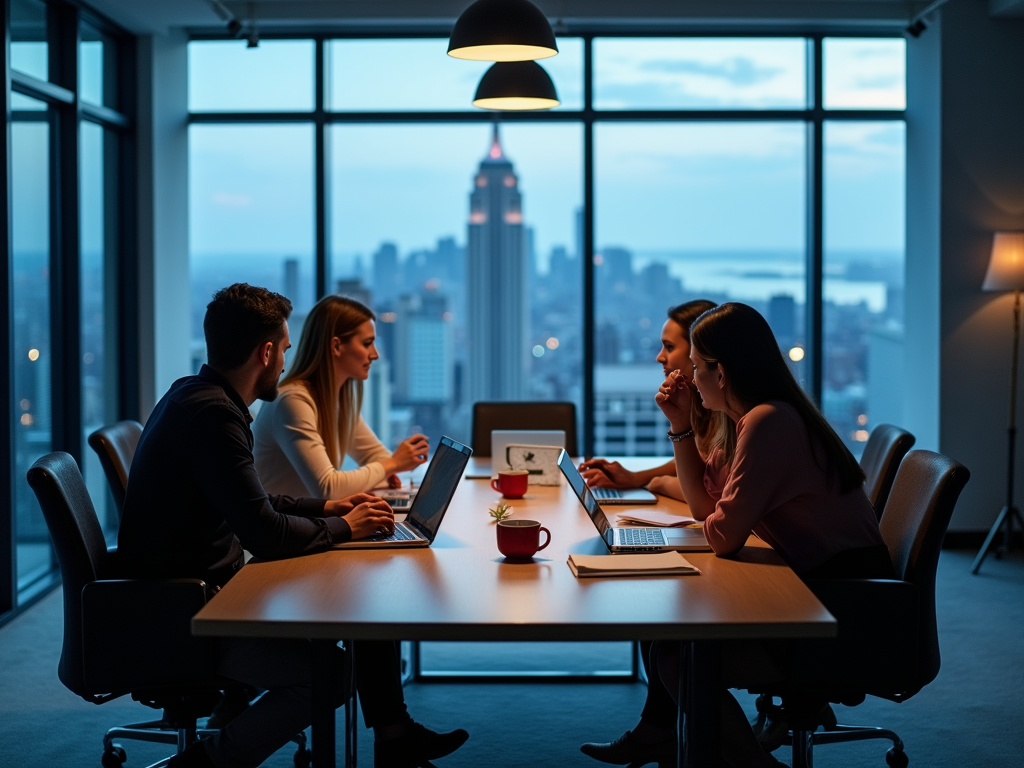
(488, 416)
(888, 643)
(885, 449)
(115, 444)
(125, 636)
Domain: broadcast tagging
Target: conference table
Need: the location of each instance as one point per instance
(463, 589)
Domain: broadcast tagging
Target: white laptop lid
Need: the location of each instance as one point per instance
(501, 439)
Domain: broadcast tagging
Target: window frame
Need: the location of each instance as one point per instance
(813, 116)
(64, 116)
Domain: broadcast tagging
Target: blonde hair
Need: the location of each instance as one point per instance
(332, 317)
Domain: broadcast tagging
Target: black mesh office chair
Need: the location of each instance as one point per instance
(115, 444)
(888, 644)
(885, 449)
(488, 416)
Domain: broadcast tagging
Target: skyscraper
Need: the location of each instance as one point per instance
(497, 283)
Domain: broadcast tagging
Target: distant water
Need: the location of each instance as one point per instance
(752, 276)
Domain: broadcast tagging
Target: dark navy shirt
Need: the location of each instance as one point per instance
(194, 500)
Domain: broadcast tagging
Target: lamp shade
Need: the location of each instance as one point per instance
(502, 30)
(516, 85)
(1006, 264)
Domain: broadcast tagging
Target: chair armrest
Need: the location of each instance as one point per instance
(137, 635)
(876, 648)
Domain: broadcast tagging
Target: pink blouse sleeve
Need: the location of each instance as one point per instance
(759, 478)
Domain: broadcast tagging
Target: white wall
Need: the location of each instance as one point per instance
(163, 215)
(966, 74)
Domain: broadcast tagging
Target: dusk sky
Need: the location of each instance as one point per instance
(660, 186)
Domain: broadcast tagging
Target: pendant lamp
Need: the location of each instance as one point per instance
(516, 85)
(502, 30)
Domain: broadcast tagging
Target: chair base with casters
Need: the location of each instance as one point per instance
(811, 723)
(179, 727)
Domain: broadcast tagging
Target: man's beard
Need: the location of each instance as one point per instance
(266, 387)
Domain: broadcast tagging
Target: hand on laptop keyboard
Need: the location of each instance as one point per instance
(371, 517)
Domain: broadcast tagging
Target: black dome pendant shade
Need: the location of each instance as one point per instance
(502, 30)
(516, 85)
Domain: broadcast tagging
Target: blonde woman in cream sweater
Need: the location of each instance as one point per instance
(302, 437)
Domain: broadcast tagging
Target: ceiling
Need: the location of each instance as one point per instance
(159, 16)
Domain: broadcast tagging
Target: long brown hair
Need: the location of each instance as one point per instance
(739, 339)
(331, 317)
(712, 429)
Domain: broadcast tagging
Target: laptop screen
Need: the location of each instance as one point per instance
(438, 486)
(582, 492)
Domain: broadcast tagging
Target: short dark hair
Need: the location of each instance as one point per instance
(240, 318)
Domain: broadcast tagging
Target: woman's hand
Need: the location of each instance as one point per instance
(394, 481)
(674, 397)
(601, 473)
(370, 517)
(408, 455)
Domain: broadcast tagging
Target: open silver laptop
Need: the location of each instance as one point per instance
(630, 539)
(501, 439)
(431, 502)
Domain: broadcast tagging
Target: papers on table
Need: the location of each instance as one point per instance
(655, 518)
(662, 564)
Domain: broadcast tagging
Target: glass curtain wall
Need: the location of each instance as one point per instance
(385, 185)
(63, 301)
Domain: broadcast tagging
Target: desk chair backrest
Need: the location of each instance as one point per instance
(918, 511)
(488, 416)
(115, 444)
(80, 548)
(885, 449)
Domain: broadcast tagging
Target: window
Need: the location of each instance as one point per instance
(64, 368)
(472, 235)
(33, 349)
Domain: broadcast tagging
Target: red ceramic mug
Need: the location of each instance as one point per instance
(521, 538)
(511, 483)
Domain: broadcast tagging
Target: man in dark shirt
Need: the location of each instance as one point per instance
(194, 502)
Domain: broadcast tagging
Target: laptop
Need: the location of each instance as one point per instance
(624, 495)
(399, 499)
(430, 504)
(501, 439)
(630, 540)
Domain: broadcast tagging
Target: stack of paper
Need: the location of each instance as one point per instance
(662, 564)
(657, 519)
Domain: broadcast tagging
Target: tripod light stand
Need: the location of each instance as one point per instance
(1006, 273)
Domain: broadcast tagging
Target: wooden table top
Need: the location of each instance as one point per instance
(462, 588)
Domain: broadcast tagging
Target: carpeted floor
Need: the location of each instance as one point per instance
(968, 717)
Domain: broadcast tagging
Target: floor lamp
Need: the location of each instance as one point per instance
(1006, 273)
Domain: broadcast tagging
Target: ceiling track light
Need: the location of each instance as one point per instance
(516, 85)
(503, 31)
(233, 24)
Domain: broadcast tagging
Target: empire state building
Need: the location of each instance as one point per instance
(497, 283)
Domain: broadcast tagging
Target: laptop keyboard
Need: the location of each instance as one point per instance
(602, 494)
(401, 534)
(638, 537)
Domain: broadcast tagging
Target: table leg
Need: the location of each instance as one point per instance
(323, 704)
(700, 684)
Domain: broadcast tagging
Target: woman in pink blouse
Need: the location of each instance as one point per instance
(791, 482)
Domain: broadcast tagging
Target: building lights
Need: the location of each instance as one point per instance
(33, 354)
(538, 351)
(796, 354)
(552, 343)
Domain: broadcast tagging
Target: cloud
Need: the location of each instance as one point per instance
(739, 71)
(230, 200)
(880, 82)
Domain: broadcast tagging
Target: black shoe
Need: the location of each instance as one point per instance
(193, 757)
(626, 750)
(418, 745)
